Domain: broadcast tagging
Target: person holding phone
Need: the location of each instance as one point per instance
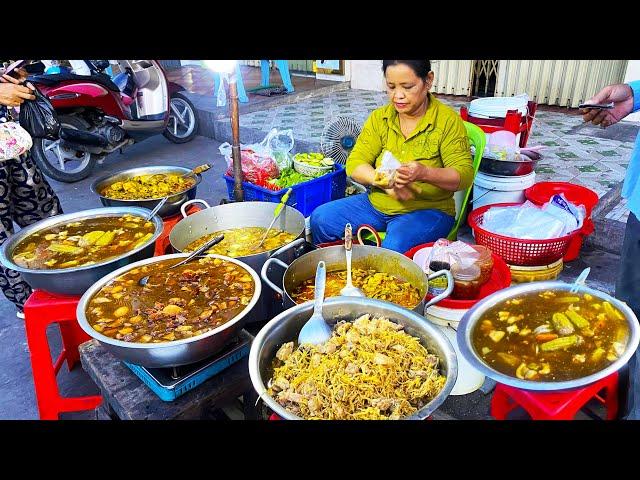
(626, 99)
(25, 195)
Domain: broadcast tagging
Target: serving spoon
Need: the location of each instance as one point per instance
(316, 330)
(276, 214)
(143, 281)
(199, 169)
(350, 290)
(157, 208)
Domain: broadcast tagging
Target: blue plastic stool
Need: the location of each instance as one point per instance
(242, 93)
(283, 68)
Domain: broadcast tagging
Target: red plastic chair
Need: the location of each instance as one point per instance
(163, 245)
(514, 122)
(561, 405)
(40, 310)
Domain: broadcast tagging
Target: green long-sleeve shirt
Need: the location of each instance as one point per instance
(439, 140)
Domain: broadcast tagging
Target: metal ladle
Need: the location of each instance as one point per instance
(350, 290)
(143, 281)
(316, 330)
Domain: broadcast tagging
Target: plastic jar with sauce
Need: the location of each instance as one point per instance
(466, 281)
(485, 262)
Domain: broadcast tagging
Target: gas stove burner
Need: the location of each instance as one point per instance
(170, 383)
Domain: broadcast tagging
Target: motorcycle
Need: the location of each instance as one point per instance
(99, 114)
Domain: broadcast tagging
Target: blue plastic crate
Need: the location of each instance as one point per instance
(305, 197)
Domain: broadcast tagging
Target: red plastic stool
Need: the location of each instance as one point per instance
(561, 405)
(40, 310)
(163, 245)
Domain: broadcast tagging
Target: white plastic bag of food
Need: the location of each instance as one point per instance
(386, 172)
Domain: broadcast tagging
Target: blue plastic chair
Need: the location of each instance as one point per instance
(242, 93)
(283, 68)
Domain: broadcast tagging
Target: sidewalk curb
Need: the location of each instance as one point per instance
(215, 122)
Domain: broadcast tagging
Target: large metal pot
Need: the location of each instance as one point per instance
(74, 281)
(168, 354)
(472, 316)
(286, 327)
(363, 256)
(245, 214)
(174, 202)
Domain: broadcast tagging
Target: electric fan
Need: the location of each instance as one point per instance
(338, 138)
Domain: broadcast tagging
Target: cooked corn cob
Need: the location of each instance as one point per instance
(577, 319)
(559, 343)
(562, 324)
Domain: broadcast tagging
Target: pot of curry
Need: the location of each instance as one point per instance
(243, 225)
(379, 272)
(68, 253)
(541, 336)
(381, 362)
(181, 316)
(146, 187)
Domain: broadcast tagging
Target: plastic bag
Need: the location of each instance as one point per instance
(39, 118)
(280, 143)
(258, 163)
(572, 216)
(526, 221)
(386, 172)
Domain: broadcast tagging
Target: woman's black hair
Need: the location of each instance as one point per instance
(420, 67)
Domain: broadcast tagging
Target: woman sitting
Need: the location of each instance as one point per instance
(430, 141)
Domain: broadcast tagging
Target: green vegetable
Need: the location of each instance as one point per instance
(289, 177)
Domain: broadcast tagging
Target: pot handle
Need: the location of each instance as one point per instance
(444, 294)
(294, 244)
(265, 277)
(184, 206)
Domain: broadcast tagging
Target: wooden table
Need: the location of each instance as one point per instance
(126, 397)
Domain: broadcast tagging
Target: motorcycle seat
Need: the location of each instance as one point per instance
(52, 79)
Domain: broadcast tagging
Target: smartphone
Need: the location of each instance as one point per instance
(599, 106)
(15, 65)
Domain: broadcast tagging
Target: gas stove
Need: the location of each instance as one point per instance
(170, 383)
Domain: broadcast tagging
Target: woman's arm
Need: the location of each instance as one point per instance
(446, 178)
(361, 161)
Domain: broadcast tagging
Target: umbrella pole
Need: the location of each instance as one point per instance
(238, 192)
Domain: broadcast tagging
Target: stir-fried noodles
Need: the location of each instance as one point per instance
(369, 369)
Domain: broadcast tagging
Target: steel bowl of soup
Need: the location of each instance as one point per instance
(180, 316)
(68, 253)
(541, 336)
(146, 187)
(380, 273)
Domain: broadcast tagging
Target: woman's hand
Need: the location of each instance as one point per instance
(400, 193)
(12, 95)
(409, 172)
(622, 97)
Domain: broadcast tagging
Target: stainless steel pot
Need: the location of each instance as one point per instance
(245, 214)
(286, 326)
(472, 316)
(168, 354)
(174, 202)
(510, 168)
(363, 256)
(74, 281)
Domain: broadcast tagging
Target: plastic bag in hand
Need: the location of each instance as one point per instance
(386, 172)
(39, 118)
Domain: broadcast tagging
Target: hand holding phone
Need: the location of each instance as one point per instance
(597, 106)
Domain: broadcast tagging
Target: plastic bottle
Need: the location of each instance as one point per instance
(439, 259)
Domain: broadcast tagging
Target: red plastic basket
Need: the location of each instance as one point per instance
(515, 251)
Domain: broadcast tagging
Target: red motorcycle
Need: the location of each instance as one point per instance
(99, 114)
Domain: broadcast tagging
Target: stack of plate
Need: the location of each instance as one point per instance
(521, 274)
